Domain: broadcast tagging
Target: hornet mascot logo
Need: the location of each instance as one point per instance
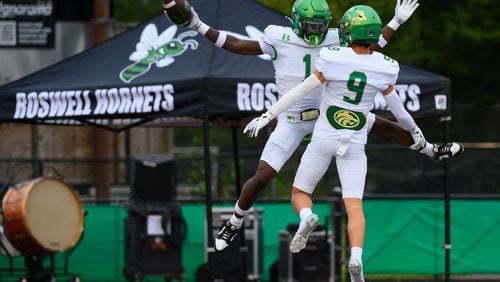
(159, 50)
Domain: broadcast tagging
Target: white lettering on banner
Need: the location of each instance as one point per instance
(126, 100)
(243, 96)
(114, 101)
(70, 96)
(142, 99)
(32, 105)
(102, 102)
(44, 104)
(409, 95)
(255, 97)
(23, 10)
(271, 95)
(414, 103)
(137, 99)
(168, 99)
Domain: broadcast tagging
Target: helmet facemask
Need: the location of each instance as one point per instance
(310, 20)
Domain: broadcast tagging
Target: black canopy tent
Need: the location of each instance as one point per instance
(159, 73)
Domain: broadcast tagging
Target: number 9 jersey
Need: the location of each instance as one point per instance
(353, 81)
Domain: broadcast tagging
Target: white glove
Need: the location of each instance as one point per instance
(253, 127)
(195, 22)
(418, 138)
(403, 12)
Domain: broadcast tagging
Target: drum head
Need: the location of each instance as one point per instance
(54, 215)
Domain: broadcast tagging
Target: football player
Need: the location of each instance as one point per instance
(294, 51)
(353, 75)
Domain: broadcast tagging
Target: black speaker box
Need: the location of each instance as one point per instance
(150, 253)
(240, 257)
(314, 263)
(153, 179)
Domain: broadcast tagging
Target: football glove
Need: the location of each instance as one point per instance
(253, 127)
(404, 10)
(195, 22)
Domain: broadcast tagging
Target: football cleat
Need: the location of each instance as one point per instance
(356, 270)
(447, 151)
(225, 236)
(299, 241)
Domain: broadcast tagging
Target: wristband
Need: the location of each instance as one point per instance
(203, 28)
(221, 39)
(382, 42)
(393, 24)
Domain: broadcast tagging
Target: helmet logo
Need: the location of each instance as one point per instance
(360, 18)
(360, 24)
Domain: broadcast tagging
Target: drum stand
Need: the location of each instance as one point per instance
(11, 268)
(35, 268)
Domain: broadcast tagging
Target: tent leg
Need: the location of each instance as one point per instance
(208, 194)
(37, 166)
(128, 157)
(447, 216)
(236, 157)
(243, 247)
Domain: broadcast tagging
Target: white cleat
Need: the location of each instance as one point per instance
(356, 270)
(447, 151)
(225, 236)
(299, 241)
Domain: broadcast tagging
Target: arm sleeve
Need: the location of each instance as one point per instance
(292, 96)
(396, 107)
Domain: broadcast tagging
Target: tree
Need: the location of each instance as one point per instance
(457, 39)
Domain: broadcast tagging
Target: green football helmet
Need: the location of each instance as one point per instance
(310, 20)
(361, 25)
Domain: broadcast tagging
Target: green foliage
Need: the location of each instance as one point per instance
(136, 10)
(457, 39)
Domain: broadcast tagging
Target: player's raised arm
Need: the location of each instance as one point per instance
(223, 40)
(403, 11)
(304, 88)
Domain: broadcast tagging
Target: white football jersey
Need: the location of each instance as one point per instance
(294, 60)
(353, 80)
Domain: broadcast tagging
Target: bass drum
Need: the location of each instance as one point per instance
(42, 216)
(6, 247)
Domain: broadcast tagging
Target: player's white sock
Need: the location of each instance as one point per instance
(356, 265)
(428, 150)
(356, 252)
(241, 212)
(303, 214)
(236, 221)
